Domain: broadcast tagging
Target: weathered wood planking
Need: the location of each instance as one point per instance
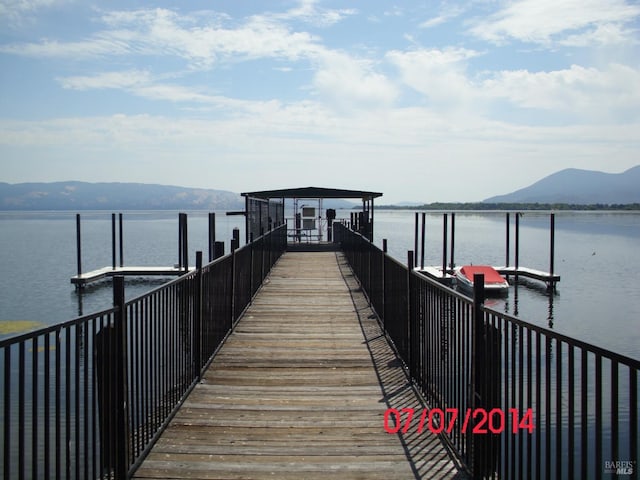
(299, 391)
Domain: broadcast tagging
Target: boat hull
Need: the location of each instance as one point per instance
(494, 283)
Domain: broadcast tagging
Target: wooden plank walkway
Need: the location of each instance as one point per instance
(299, 391)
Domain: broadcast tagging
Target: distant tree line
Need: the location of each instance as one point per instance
(513, 206)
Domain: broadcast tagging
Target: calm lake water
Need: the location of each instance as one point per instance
(596, 254)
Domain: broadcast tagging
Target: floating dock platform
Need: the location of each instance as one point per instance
(449, 279)
(436, 273)
(84, 279)
(549, 278)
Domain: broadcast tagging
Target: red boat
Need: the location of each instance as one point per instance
(494, 283)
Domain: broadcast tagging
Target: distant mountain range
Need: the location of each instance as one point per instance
(580, 187)
(113, 196)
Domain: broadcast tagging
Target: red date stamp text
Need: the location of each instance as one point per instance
(476, 421)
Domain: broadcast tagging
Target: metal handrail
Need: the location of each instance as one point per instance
(560, 407)
(87, 398)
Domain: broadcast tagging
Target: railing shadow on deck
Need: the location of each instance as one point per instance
(541, 404)
(429, 456)
(88, 398)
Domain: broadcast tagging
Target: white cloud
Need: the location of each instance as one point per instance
(162, 32)
(16, 10)
(291, 138)
(120, 80)
(606, 34)
(548, 21)
(440, 75)
(309, 11)
(449, 13)
(349, 82)
(578, 90)
(581, 94)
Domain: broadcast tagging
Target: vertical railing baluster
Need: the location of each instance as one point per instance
(34, 407)
(571, 413)
(584, 411)
(548, 365)
(538, 410)
(559, 416)
(21, 407)
(7, 414)
(77, 389)
(598, 456)
(58, 408)
(47, 393)
(614, 410)
(633, 413)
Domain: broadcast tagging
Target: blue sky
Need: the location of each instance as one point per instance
(424, 101)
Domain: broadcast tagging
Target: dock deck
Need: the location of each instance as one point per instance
(529, 273)
(105, 272)
(299, 390)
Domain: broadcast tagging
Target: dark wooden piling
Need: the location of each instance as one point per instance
(415, 240)
(218, 250)
(517, 246)
(113, 241)
(552, 228)
(121, 235)
(508, 222)
(235, 240)
(453, 240)
(183, 242)
(78, 245)
(424, 221)
(445, 218)
(212, 236)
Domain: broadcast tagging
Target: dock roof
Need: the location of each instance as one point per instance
(313, 192)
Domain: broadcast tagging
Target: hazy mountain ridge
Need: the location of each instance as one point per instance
(74, 195)
(582, 187)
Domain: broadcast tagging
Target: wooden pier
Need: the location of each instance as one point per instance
(299, 390)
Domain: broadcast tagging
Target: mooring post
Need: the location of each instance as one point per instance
(197, 320)
(78, 245)
(517, 259)
(453, 238)
(113, 240)
(415, 240)
(185, 242)
(506, 261)
(218, 250)
(424, 221)
(552, 240)
(235, 242)
(179, 241)
(212, 236)
(121, 237)
(445, 221)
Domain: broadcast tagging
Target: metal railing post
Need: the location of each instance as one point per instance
(197, 320)
(121, 430)
(477, 366)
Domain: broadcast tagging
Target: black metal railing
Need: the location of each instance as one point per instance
(86, 399)
(530, 402)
